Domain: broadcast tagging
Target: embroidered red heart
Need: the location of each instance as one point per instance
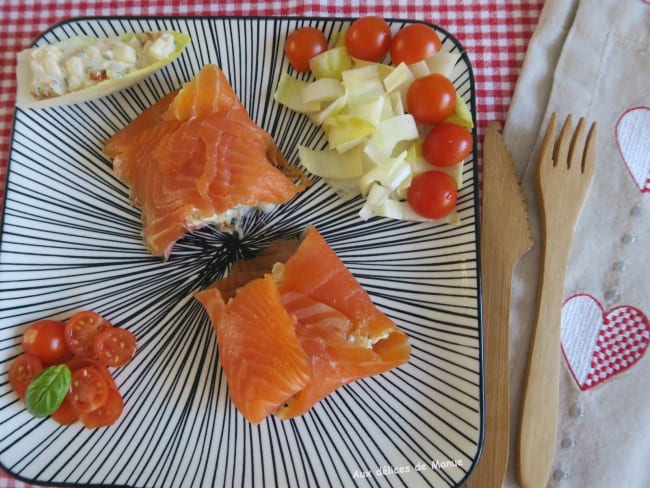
(633, 139)
(598, 345)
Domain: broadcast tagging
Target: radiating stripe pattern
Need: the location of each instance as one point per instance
(72, 241)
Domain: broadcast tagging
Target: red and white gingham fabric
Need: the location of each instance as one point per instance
(495, 34)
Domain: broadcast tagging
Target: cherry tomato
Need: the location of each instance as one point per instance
(45, 340)
(447, 144)
(302, 45)
(88, 389)
(21, 372)
(431, 99)
(413, 43)
(81, 330)
(115, 347)
(105, 415)
(432, 194)
(77, 362)
(66, 413)
(368, 38)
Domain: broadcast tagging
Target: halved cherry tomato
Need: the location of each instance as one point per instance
(302, 45)
(432, 194)
(368, 38)
(77, 362)
(81, 330)
(413, 43)
(66, 413)
(88, 389)
(45, 340)
(447, 144)
(21, 372)
(115, 347)
(431, 99)
(105, 415)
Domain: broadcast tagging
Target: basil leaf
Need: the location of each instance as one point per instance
(47, 390)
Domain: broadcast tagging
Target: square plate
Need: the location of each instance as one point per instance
(71, 241)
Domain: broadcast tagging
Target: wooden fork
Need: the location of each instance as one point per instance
(564, 177)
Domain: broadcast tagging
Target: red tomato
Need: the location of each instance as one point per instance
(21, 372)
(105, 415)
(431, 99)
(368, 38)
(413, 43)
(66, 413)
(77, 362)
(81, 330)
(115, 347)
(88, 390)
(45, 340)
(432, 194)
(447, 144)
(302, 45)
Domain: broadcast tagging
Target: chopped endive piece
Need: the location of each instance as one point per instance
(376, 196)
(363, 84)
(370, 111)
(462, 115)
(420, 69)
(389, 175)
(322, 90)
(81, 69)
(345, 189)
(334, 108)
(383, 70)
(331, 164)
(397, 104)
(399, 78)
(442, 63)
(289, 93)
(331, 63)
(388, 133)
(345, 131)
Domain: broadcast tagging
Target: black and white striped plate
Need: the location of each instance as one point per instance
(71, 241)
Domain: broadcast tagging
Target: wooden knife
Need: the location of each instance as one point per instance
(505, 237)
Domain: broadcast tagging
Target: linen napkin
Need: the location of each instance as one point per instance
(591, 58)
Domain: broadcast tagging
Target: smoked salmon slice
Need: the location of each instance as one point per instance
(342, 331)
(196, 158)
(259, 351)
(342, 334)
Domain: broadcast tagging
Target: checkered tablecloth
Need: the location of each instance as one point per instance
(495, 34)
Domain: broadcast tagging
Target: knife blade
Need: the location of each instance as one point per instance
(505, 237)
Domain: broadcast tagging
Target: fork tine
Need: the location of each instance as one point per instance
(589, 157)
(577, 146)
(561, 149)
(549, 137)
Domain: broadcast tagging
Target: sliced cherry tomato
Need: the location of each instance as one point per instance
(66, 413)
(302, 45)
(21, 372)
(431, 99)
(115, 347)
(368, 38)
(447, 144)
(413, 43)
(77, 362)
(88, 389)
(81, 330)
(45, 340)
(432, 194)
(105, 415)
